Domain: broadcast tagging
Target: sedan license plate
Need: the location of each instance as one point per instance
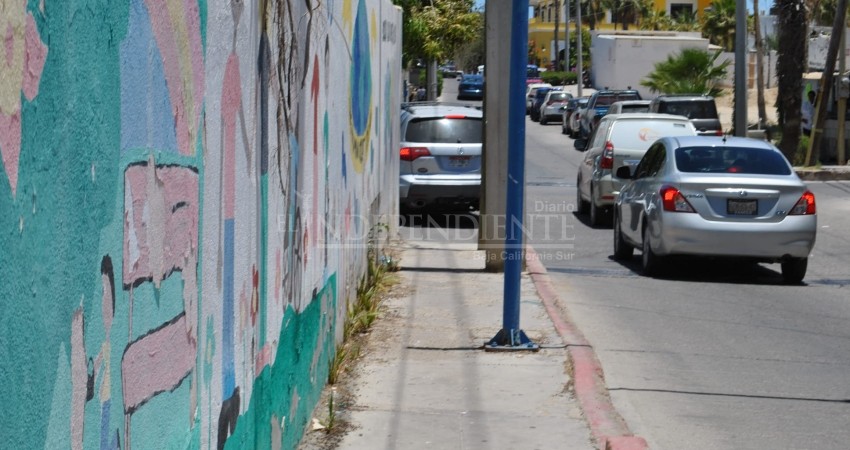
(736, 207)
(459, 161)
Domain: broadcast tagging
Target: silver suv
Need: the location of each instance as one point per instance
(440, 156)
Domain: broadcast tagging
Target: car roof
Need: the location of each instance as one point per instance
(441, 109)
(683, 97)
(631, 102)
(645, 116)
(726, 141)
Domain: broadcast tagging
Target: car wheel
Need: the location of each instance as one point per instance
(563, 127)
(597, 214)
(543, 120)
(794, 270)
(652, 263)
(581, 205)
(622, 249)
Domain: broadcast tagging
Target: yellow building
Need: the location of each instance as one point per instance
(541, 26)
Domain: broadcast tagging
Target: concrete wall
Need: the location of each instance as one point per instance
(624, 59)
(186, 191)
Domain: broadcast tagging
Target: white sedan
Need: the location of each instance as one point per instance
(715, 197)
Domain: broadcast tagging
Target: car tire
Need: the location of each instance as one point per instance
(794, 270)
(543, 120)
(581, 205)
(622, 249)
(652, 263)
(597, 214)
(564, 127)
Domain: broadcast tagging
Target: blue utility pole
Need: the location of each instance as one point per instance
(511, 337)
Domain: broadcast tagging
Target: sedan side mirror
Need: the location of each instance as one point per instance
(580, 144)
(624, 172)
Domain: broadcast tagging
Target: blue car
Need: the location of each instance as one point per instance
(471, 87)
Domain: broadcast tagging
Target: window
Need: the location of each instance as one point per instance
(445, 131)
(681, 10)
(743, 160)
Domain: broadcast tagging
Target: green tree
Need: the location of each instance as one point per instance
(718, 24)
(691, 71)
(436, 29)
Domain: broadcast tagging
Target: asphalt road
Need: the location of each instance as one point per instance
(714, 356)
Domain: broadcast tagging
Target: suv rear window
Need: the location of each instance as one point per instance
(692, 109)
(743, 160)
(441, 130)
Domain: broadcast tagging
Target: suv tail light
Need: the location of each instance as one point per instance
(411, 153)
(674, 201)
(607, 159)
(804, 206)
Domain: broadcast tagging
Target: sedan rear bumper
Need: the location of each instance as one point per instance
(690, 234)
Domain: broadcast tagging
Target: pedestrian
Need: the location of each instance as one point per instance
(808, 113)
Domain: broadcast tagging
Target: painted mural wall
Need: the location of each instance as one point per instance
(187, 190)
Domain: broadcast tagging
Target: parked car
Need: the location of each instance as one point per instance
(551, 106)
(567, 113)
(575, 119)
(629, 106)
(459, 75)
(539, 97)
(701, 109)
(531, 93)
(440, 156)
(618, 140)
(598, 104)
(471, 87)
(716, 197)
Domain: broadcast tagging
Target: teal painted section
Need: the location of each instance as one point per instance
(134, 133)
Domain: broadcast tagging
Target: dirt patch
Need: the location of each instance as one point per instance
(726, 101)
(321, 434)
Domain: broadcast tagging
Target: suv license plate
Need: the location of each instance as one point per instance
(742, 207)
(459, 161)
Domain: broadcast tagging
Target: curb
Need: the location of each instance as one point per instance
(606, 425)
(822, 175)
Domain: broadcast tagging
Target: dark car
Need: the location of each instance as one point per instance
(598, 106)
(566, 113)
(700, 109)
(539, 97)
(471, 87)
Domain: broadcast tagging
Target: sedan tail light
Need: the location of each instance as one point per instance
(607, 159)
(674, 201)
(804, 206)
(411, 153)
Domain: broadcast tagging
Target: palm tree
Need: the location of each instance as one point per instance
(719, 24)
(691, 71)
(759, 66)
(792, 19)
(686, 22)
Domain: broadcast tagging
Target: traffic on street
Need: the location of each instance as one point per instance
(712, 353)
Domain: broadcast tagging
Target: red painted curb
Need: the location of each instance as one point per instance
(606, 425)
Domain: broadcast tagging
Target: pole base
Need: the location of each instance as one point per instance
(510, 341)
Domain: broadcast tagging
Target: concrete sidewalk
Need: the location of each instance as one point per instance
(425, 382)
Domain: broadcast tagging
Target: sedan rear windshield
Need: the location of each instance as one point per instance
(743, 160)
(441, 130)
